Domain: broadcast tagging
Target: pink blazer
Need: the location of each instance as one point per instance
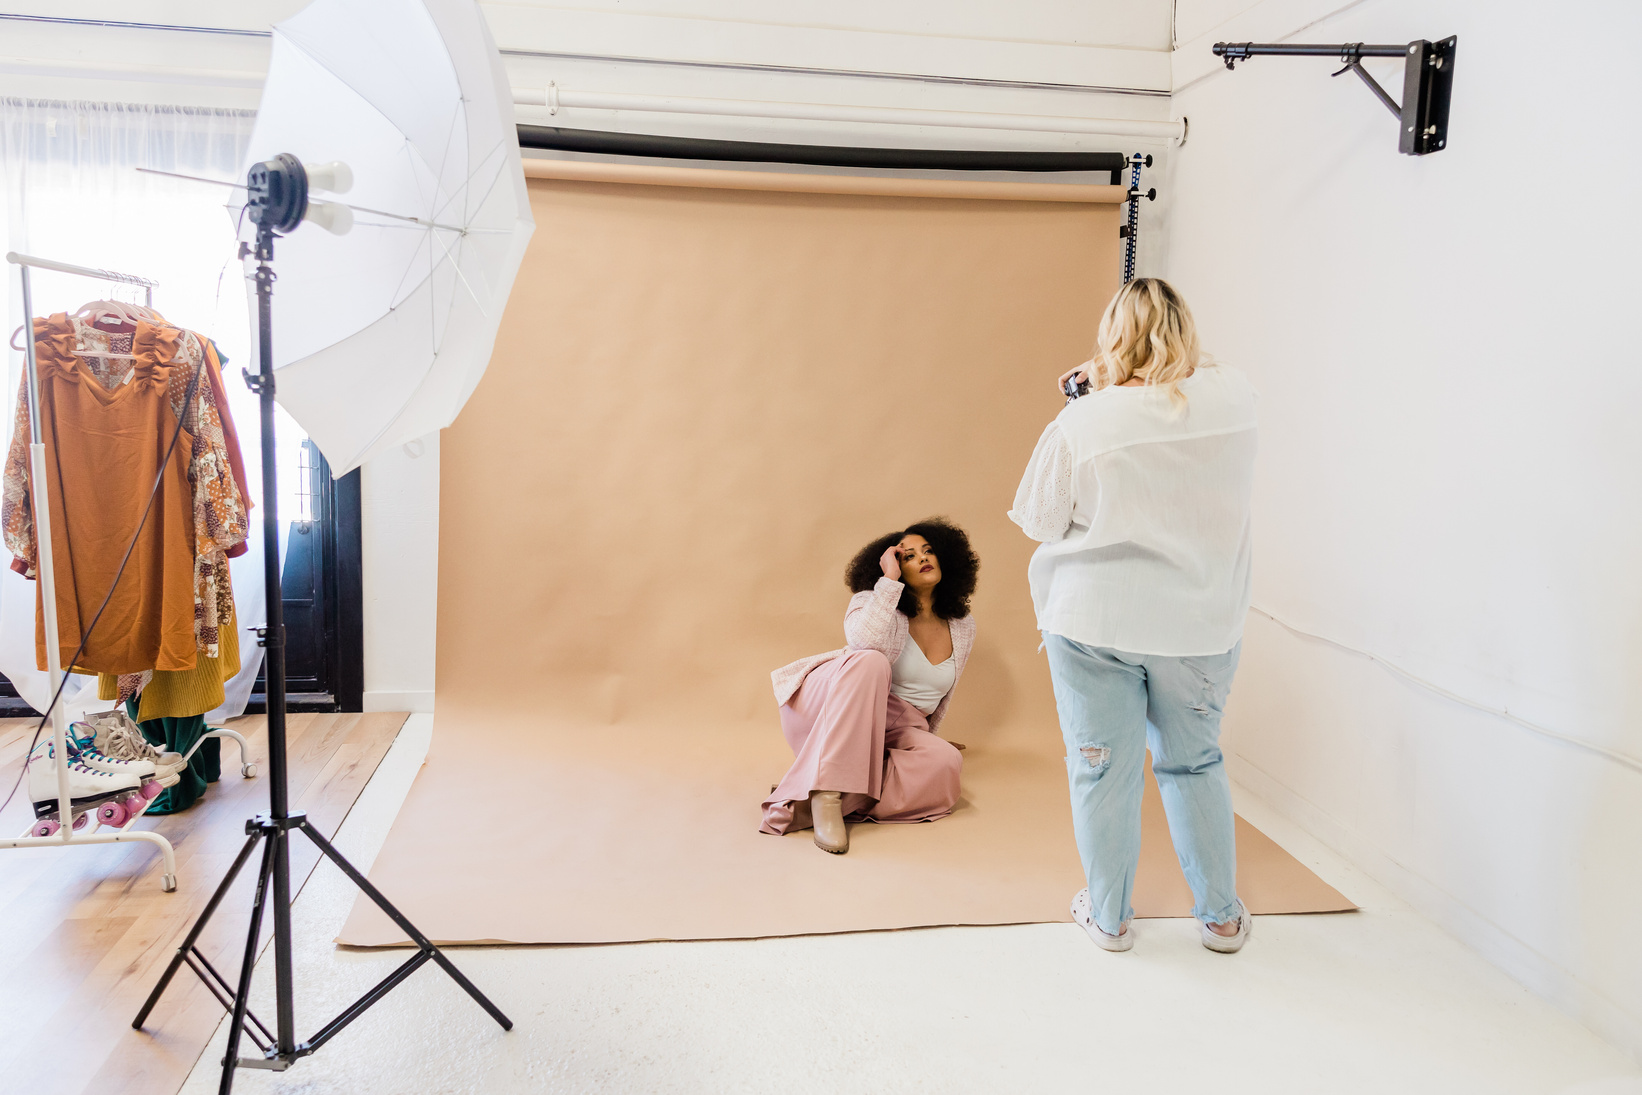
(871, 623)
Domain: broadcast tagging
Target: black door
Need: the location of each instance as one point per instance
(324, 603)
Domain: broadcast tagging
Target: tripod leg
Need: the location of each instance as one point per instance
(406, 926)
(242, 996)
(194, 933)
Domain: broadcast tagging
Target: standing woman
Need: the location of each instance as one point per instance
(862, 721)
(1139, 494)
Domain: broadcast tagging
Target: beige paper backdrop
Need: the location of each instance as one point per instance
(701, 404)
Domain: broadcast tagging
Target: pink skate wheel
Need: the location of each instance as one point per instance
(112, 813)
(80, 821)
(150, 790)
(46, 826)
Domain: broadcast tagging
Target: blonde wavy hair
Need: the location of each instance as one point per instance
(1147, 332)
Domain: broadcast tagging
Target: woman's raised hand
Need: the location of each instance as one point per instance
(890, 560)
(1081, 373)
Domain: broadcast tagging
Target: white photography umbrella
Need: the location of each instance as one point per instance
(379, 335)
(382, 334)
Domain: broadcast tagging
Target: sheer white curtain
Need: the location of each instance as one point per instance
(73, 194)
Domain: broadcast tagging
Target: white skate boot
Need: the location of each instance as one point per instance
(94, 797)
(115, 736)
(82, 749)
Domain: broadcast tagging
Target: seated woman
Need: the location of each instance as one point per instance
(861, 721)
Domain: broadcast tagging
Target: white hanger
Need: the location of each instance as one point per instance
(97, 311)
(92, 312)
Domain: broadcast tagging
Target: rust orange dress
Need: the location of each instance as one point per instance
(106, 441)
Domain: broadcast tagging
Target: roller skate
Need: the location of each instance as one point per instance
(81, 748)
(95, 798)
(115, 736)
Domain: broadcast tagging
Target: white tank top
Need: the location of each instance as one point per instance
(922, 685)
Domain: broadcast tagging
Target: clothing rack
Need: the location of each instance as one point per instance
(45, 575)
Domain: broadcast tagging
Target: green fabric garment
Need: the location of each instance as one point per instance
(179, 736)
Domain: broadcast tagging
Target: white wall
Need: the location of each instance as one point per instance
(1448, 460)
(399, 503)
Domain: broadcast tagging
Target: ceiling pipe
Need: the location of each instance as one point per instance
(557, 98)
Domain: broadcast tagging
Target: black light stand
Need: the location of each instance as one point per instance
(276, 203)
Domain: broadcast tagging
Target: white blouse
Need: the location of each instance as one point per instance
(919, 683)
(1142, 511)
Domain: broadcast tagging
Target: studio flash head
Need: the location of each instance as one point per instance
(277, 195)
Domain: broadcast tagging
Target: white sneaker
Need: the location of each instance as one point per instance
(1230, 944)
(1083, 914)
(84, 751)
(119, 738)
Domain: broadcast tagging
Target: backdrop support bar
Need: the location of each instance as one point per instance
(1428, 81)
(819, 155)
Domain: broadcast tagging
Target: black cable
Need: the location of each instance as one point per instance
(85, 635)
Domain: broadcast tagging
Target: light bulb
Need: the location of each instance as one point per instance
(334, 217)
(335, 176)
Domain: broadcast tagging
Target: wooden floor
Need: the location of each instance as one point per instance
(85, 932)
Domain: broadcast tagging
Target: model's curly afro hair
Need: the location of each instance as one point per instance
(959, 566)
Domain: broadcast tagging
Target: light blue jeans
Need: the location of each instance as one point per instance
(1112, 706)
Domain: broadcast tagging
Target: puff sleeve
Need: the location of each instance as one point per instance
(1043, 501)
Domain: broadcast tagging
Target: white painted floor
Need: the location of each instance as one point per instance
(1378, 1001)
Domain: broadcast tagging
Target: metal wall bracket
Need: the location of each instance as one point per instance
(1428, 82)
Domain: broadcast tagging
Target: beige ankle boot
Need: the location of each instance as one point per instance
(827, 814)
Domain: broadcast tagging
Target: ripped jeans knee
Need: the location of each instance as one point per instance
(1098, 757)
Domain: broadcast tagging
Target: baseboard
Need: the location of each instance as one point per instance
(1518, 959)
(399, 701)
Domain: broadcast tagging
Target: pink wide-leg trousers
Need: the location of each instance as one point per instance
(849, 734)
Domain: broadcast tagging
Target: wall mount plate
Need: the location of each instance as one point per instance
(1428, 85)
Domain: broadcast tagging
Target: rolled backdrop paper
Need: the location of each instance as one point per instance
(702, 403)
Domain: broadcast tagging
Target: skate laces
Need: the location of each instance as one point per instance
(45, 752)
(124, 742)
(89, 752)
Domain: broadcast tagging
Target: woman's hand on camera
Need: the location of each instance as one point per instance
(1078, 375)
(890, 560)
